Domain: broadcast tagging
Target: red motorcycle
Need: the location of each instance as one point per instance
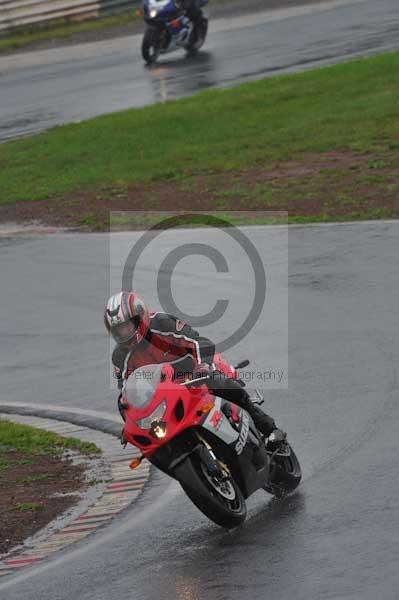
(209, 445)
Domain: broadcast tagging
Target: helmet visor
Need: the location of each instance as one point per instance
(123, 332)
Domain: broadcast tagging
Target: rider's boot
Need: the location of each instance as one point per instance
(264, 422)
(267, 426)
(275, 440)
(231, 390)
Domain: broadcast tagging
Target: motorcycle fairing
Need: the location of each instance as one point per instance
(194, 418)
(183, 439)
(250, 468)
(220, 426)
(247, 455)
(178, 396)
(176, 28)
(165, 8)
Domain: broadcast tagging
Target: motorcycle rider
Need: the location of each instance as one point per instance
(145, 338)
(192, 8)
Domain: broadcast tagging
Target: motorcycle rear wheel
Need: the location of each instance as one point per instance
(198, 36)
(151, 45)
(223, 503)
(285, 475)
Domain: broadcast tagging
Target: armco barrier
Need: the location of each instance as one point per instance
(15, 13)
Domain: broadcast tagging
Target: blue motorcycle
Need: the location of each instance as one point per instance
(170, 26)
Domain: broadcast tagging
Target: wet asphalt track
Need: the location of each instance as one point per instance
(337, 538)
(42, 89)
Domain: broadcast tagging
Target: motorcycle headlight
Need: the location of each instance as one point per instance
(153, 13)
(157, 415)
(158, 429)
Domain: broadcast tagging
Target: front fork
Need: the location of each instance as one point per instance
(215, 467)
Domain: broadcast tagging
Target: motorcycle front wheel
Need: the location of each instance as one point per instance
(220, 500)
(151, 45)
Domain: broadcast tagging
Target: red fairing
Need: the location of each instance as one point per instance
(235, 413)
(224, 367)
(196, 405)
(168, 371)
(193, 400)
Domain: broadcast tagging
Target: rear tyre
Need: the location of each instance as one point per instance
(151, 45)
(285, 472)
(198, 36)
(221, 501)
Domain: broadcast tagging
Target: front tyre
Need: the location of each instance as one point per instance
(151, 45)
(220, 500)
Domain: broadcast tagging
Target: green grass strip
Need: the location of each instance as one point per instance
(352, 105)
(29, 440)
(63, 29)
(26, 506)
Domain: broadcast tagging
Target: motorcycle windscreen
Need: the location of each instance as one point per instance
(141, 385)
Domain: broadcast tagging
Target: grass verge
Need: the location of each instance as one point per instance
(37, 483)
(29, 440)
(26, 506)
(281, 143)
(63, 29)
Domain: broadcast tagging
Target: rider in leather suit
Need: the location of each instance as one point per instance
(192, 8)
(145, 338)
